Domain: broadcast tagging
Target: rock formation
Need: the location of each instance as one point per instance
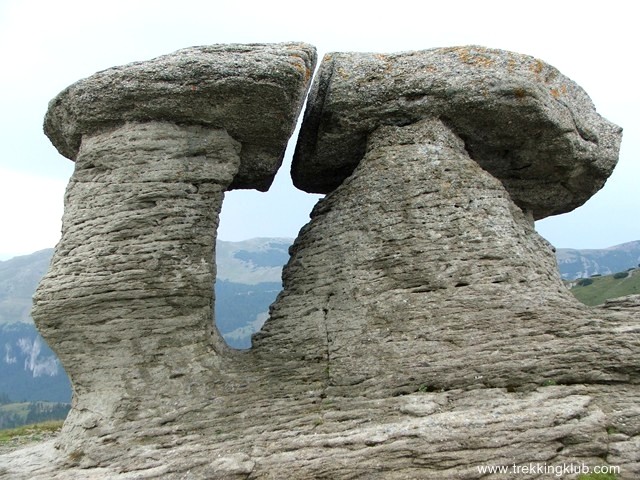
(423, 330)
(430, 228)
(519, 119)
(127, 302)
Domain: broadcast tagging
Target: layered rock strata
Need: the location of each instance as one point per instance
(419, 270)
(423, 330)
(430, 228)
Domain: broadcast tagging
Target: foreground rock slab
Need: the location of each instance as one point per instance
(451, 435)
(423, 330)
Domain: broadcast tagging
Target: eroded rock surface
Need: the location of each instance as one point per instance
(519, 118)
(253, 92)
(127, 300)
(420, 261)
(423, 330)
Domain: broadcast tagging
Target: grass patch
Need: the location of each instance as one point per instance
(427, 389)
(597, 476)
(604, 288)
(34, 430)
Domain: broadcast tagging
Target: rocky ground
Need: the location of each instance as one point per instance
(28, 437)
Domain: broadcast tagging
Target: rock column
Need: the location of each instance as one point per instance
(127, 302)
(422, 267)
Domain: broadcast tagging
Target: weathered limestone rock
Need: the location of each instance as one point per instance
(630, 301)
(423, 331)
(421, 269)
(127, 302)
(519, 118)
(254, 92)
(419, 262)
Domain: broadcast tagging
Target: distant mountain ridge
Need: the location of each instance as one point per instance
(252, 261)
(248, 281)
(19, 278)
(575, 263)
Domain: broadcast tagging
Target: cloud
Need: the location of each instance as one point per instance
(33, 361)
(30, 216)
(9, 357)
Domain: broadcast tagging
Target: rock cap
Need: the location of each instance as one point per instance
(255, 92)
(520, 119)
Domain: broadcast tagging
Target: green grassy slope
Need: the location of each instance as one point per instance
(13, 438)
(607, 287)
(22, 413)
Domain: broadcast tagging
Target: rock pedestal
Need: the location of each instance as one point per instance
(420, 281)
(424, 254)
(131, 278)
(419, 271)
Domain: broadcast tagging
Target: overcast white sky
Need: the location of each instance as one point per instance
(46, 45)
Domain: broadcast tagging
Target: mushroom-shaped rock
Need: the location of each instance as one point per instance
(420, 317)
(254, 92)
(418, 272)
(520, 119)
(127, 302)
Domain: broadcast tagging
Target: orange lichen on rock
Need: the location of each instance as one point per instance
(557, 92)
(477, 58)
(304, 69)
(537, 66)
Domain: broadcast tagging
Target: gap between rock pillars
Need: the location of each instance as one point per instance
(282, 204)
(279, 213)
